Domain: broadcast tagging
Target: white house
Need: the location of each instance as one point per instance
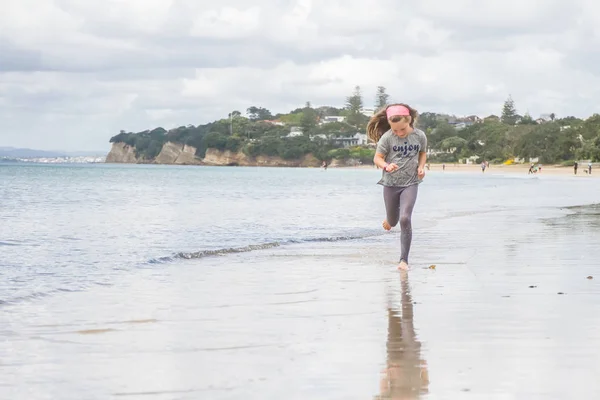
(332, 118)
(368, 112)
(274, 122)
(470, 160)
(320, 136)
(356, 140)
(362, 138)
(534, 160)
(295, 131)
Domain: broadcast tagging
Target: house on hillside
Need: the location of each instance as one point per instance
(295, 131)
(458, 125)
(332, 118)
(534, 160)
(473, 118)
(356, 140)
(319, 136)
(274, 122)
(491, 118)
(368, 112)
(469, 160)
(435, 152)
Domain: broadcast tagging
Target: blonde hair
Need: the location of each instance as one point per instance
(379, 124)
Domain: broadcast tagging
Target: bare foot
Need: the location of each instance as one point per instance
(386, 226)
(403, 266)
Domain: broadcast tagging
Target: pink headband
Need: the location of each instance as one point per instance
(397, 110)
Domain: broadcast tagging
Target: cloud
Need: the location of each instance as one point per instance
(73, 73)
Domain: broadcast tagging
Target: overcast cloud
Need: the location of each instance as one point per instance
(75, 72)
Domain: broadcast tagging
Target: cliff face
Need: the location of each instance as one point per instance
(121, 153)
(176, 153)
(171, 153)
(217, 157)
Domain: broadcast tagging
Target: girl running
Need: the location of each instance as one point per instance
(401, 154)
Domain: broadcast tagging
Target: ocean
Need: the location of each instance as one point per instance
(177, 282)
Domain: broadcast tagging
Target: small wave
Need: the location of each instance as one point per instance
(35, 296)
(9, 244)
(217, 252)
(254, 247)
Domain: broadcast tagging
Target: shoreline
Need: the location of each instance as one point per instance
(521, 169)
(515, 169)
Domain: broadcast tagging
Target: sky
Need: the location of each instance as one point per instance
(73, 73)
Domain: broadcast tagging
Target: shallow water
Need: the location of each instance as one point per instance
(111, 286)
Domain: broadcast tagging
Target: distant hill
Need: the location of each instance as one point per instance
(13, 152)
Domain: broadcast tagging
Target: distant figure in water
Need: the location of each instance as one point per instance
(575, 167)
(324, 165)
(401, 154)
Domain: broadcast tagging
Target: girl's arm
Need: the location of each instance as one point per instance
(422, 159)
(379, 160)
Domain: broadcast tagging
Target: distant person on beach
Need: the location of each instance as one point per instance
(590, 168)
(575, 167)
(530, 169)
(401, 154)
(443, 167)
(483, 166)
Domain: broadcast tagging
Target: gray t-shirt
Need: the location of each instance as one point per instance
(403, 152)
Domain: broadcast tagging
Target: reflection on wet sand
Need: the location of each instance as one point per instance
(406, 375)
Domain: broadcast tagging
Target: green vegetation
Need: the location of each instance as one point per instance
(289, 136)
(306, 130)
(551, 140)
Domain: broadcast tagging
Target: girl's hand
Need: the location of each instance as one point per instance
(420, 173)
(391, 167)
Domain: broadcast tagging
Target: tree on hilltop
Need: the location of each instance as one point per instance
(527, 120)
(381, 98)
(354, 106)
(308, 121)
(509, 113)
(258, 113)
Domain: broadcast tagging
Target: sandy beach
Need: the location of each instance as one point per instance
(515, 169)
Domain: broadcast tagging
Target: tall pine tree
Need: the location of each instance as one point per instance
(309, 119)
(354, 106)
(381, 98)
(509, 112)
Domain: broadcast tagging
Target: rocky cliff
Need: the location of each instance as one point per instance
(176, 153)
(121, 153)
(217, 157)
(171, 153)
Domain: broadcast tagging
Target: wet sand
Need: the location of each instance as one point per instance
(506, 313)
(502, 302)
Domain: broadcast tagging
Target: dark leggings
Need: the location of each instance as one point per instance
(399, 204)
